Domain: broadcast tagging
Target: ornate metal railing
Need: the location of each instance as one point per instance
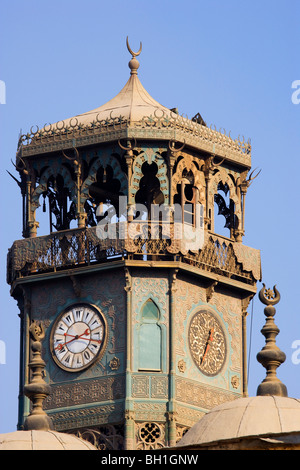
(81, 247)
(54, 136)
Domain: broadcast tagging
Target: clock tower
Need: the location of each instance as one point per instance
(143, 299)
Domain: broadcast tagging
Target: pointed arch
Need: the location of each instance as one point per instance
(187, 163)
(150, 156)
(50, 173)
(223, 180)
(103, 159)
(150, 338)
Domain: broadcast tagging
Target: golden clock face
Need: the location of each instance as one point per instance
(207, 342)
(78, 337)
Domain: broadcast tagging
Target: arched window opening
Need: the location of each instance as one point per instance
(106, 189)
(149, 190)
(224, 206)
(186, 197)
(150, 338)
(57, 202)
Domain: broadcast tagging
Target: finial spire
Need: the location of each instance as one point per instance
(37, 390)
(134, 63)
(271, 357)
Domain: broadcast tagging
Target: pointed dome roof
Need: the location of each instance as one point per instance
(133, 114)
(132, 103)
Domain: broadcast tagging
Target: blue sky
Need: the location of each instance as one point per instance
(233, 61)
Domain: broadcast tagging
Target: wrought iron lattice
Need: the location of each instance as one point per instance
(109, 437)
(79, 247)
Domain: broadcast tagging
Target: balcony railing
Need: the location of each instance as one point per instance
(82, 247)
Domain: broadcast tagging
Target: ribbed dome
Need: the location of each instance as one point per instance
(42, 440)
(246, 417)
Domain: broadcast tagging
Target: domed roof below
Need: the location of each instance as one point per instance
(246, 417)
(42, 440)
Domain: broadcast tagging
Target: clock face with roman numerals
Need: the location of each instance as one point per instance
(78, 337)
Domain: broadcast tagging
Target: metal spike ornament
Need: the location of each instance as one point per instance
(271, 357)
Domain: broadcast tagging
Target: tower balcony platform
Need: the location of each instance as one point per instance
(79, 250)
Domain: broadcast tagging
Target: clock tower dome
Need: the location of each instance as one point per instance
(143, 299)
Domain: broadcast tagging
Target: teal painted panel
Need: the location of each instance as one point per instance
(150, 347)
(150, 311)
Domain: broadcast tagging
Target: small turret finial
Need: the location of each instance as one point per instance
(271, 357)
(37, 390)
(133, 63)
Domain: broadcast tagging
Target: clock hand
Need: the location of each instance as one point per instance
(85, 333)
(78, 336)
(208, 343)
(61, 345)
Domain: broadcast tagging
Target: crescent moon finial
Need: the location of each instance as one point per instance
(268, 296)
(134, 54)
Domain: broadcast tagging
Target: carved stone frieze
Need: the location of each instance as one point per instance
(150, 411)
(88, 416)
(140, 386)
(78, 393)
(187, 417)
(150, 386)
(201, 395)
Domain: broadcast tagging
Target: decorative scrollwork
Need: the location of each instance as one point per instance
(207, 342)
(150, 436)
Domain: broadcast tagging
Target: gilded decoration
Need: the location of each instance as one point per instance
(79, 393)
(181, 365)
(160, 126)
(190, 298)
(114, 364)
(149, 386)
(187, 416)
(150, 435)
(87, 416)
(249, 258)
(188, 163)
(200, 394)
(150, 410)
(235, 381)
(150, 155)
(81, 247)
(207, 342)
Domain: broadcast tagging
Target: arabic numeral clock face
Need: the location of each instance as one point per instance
(207, 342)
(78, 337)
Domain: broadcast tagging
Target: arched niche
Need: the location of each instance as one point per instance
(149, 338)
